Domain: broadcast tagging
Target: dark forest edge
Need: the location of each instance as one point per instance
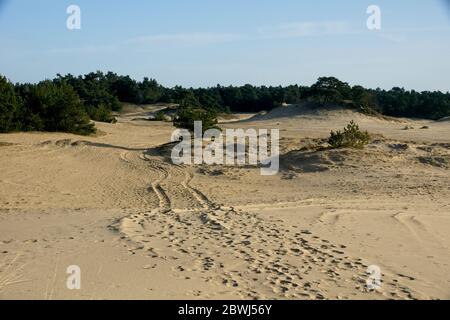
(69, 103)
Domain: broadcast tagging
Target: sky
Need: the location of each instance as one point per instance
(201, 43)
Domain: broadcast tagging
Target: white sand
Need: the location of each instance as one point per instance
(142, 228)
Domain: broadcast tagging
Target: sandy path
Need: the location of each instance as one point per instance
(257, 257)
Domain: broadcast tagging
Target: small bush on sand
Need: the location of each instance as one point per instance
(351, 137)
(186, 117)
(101, 114)
(160, 116)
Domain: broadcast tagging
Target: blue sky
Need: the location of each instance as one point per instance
(206, 42)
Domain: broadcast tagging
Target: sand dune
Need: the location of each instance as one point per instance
(141, 227)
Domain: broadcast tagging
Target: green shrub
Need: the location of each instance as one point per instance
(101, 114)
(351, 137)
(55, 107)
(160, 116)
(186, 117)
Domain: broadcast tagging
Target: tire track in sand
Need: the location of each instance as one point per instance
(245, 254)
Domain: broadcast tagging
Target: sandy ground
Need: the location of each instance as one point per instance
(140, 227)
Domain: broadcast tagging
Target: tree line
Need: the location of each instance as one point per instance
(69, 103)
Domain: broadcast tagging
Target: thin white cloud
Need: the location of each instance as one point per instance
(185, 39)
(194, 38)
(89, 49)
(401, 35)
(288, 30)
(306, 29)
(392, 37)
